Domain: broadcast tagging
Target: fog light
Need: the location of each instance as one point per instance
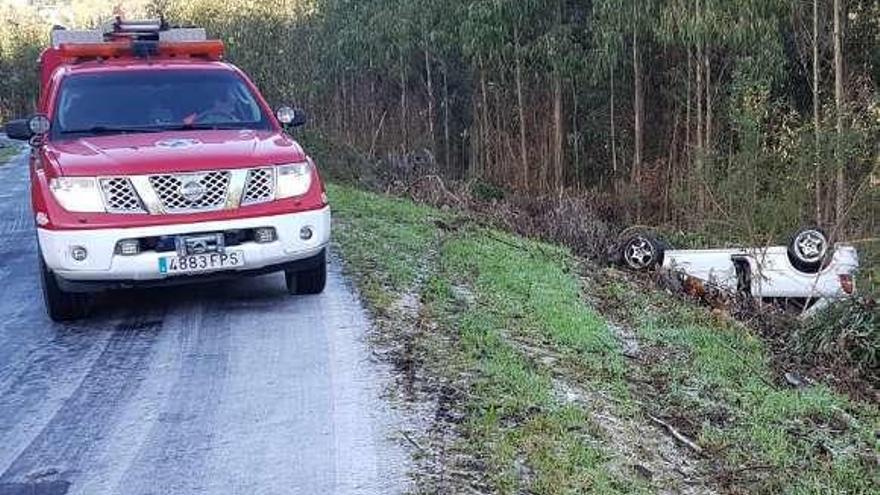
(42, 219)
(79, 253)
(128, 247)
(305, 233)
(264, 235)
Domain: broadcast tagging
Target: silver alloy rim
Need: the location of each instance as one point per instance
(639, 253)
(810, 246)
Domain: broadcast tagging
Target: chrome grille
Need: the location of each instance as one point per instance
(177, 191)
(120, 196)
(260, 186)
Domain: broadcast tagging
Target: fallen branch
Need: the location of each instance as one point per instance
(413, 442)
(677, 435)
(440, 182)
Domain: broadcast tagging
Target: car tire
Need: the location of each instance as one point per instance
(808, 249)
(642, 252)
(60, 305)
(307, 282)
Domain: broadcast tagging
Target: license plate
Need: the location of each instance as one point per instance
(198, 263)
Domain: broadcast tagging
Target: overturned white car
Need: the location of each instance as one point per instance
(807, 273)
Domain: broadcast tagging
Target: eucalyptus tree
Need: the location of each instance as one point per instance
(482, 34)
(719, 38)
(621, 27)
(839, 13)
(695, 102)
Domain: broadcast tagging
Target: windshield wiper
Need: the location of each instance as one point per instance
(112, 129)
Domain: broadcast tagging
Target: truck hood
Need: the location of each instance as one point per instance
(178, 151)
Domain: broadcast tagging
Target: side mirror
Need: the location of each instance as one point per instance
(25, 129)
(290, 117)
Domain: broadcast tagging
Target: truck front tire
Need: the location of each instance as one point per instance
(307, 282)
(61, 306)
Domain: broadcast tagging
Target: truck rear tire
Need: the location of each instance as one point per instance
(307, 282)
(61, 306)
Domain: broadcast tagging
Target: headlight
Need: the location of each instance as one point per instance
(78, 194)
(293, 180)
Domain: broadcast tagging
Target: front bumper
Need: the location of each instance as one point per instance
(103, 264)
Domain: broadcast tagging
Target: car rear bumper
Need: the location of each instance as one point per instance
(103, 264)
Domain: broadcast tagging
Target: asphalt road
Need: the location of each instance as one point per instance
(228, 389)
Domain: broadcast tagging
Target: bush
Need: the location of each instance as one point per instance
(847, 333)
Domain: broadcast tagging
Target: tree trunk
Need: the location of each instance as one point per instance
(373, 103)
(403, 105)
(353, 108)
(575, 132)
(698, 149)
(520, 103)
(613, 131)
(484, 118)
(639, 114)
(346, 110)
(446, 146)
(639, 117)
(429, 82)
(670, 164)
(475, 136)
(687, 118)
(337, 102)
(498, 158)
(838, 104)
(708, 68)
(558, 151)
(543, 137)
(816, 116)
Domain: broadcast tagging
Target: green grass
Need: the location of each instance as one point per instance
(8, 152)
(486, 294)
(523, 294)
(715, 376)
(385, 239)
(504, 318)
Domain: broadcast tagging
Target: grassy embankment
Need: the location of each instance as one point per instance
(539, 394)
(7, 152)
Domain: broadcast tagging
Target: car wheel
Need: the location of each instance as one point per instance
(808, 249)
(642, 252)
(60, 305)
(306, 282)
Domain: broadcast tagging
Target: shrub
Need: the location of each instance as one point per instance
(847, 333)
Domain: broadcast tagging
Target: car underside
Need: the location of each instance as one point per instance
(808, 274)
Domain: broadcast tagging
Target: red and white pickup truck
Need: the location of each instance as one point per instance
(155, 162)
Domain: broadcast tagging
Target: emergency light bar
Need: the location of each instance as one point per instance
(211, 49)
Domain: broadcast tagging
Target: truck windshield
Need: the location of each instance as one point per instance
(155, 101)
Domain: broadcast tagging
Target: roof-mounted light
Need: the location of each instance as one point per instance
(95, 50)
(211, 49)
